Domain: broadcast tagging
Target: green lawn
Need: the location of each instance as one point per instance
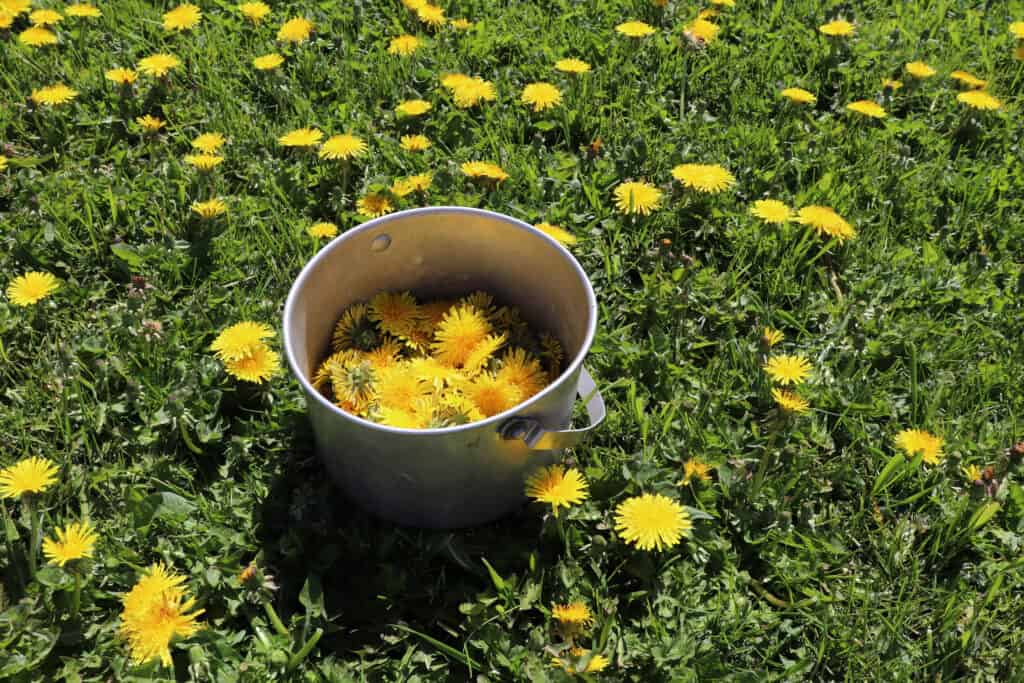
(826, 554)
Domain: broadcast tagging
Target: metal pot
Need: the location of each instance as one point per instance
(457, 476)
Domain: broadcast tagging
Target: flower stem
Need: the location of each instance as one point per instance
(33, 539)
(5, 519)
(76, 595)
(306, 649)
(275, 620)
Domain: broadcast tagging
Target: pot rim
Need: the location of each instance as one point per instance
(323, 254)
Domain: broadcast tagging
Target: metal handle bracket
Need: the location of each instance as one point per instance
(537, 438)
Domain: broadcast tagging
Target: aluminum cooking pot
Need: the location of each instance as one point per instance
(469, 474)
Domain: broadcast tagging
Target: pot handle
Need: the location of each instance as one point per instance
(540, 439)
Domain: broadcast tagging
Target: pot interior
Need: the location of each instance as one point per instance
(442, 253)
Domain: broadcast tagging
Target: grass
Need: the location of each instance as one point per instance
(824, 556)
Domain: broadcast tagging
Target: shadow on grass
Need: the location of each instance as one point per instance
(375, 574)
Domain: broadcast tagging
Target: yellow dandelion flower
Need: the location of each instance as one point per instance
(826, 221)
(31, 288)
(461, 24)
(74, 542)
(652, 521)
(385, 355)
(398, 387)
(914, 441)
(788, 369)
(867, 108)
(83, 10)
(461, 330)
(182, 18)
(254, 11)
(158, 65)
(31, 475)
(481, 354)
(799, 95)
(541, 96)
(355, 330)
(472, 92)
(637, 198)
(838, 28)
(434, 372)
(635, 29)
(574, 615)
(695, 470)
(413, 5)
(261, 365)
(1017, 29)
(16, 7)
(557, 486)
(374, 205)
(572, 65)
(45, 17)
(595, 664)
(322, 230)
(295, 30)
(3, 163)
(413, 108)
(404, 45)
(972, 473)
(452, 81)
(770, 337)
(156, 610)
(890, 84)
(268, 62)
(523, 372)
(563, 237)
(484, 169)
(919, 69)
(353, 379)
(395, 312)
(702, 31)
(208, 142)
(301, 137)
(210, 208)
(37, 36)
(771, 211)
(432, 15)
(970, 80)
(456, 409)
(491, 395)
(6, 19)
(204, 162)
(789, 401)
(344, 146)
(401, 418)
(121, 76)
(708, 178)
(53, 95)
(241, 340)
(979, 99)
(415, 143)
(150, 124)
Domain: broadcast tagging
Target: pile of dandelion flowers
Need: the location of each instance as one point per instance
(557, 486)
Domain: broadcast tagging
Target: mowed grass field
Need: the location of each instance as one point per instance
(823, 551)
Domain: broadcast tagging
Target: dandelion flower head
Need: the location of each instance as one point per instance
(404, 45)
(708, 178)
(374, 205)
(37, 36)
(301, 137)
(413, 108)
(572, 65)
(799, 95)
(771, 211)
(968, 79)
(260, 365)
(344, 146)
(53, 95)
(838, 28)
(914, 441)
(182, 18)
(254, 11)
(31, 288)
(789, 401)
(268, 62)
(121, 76)
(415, 143)
(979, 99)
(156, 610)
(867, 108)
(210, 208)
(295, 30)
(484, 169)
(83, 10)
(158, 65)
(826, 221)
(322, 230)
(541, 96)
(919, 70)
(208, 142)
(637, 198)
(652, 521)
(563, 237)
(788, 369)
(45, 17)
(31, 475)
(240, 340)
(74, 542)
(635, 29)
